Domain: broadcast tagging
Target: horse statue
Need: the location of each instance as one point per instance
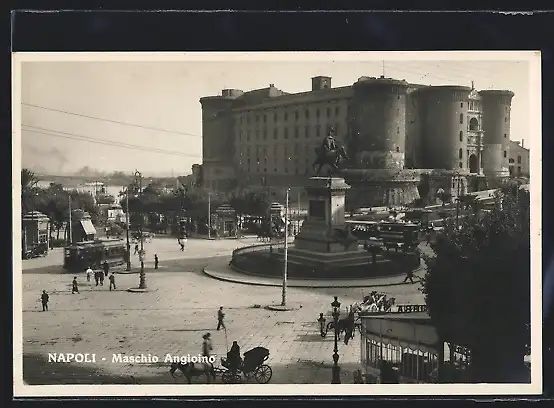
(190, 370)
(330, 153)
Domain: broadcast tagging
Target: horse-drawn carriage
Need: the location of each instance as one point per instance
(373, 303)
(252, 366)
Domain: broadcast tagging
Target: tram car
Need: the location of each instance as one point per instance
(82, 255)
(389, 233)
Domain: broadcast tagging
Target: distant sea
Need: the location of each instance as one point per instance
(111, 190)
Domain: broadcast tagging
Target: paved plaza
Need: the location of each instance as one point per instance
(180, 306)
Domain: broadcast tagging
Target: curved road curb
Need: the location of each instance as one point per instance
(224, 272)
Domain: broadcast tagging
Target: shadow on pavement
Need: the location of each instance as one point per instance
(38, 371)
(170, 265)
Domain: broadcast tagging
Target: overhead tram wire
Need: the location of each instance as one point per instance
(110, 120)
(422, 74)
(73, 136)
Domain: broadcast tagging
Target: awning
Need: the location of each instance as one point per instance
(88, 227)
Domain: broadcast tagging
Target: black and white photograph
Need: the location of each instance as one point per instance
(277, 223)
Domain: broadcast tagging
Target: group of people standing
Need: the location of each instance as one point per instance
(99, 276)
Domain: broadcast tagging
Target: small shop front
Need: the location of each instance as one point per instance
(404, 347)
(399, 348)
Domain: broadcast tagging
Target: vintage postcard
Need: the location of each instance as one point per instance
(360, 223)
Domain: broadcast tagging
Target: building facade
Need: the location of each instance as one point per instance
(268, 134)
(519, 159)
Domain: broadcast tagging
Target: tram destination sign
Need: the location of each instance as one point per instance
(410, 309)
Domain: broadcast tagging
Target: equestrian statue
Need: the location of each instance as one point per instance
(330, 153)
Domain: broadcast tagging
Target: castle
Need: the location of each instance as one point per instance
(395, 132)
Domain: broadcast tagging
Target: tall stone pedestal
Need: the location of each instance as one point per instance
(324, 239)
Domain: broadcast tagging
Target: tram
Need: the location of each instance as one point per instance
(390, 233)
(81, 255)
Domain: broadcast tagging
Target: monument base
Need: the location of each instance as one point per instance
(321, 261)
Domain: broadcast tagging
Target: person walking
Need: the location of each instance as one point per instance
(44, 298)
(97, 277)
(89, 273)
(101, 277)
(106, 268)
(156, 261)
(409, 275)
(136, 248)
(74, 287)
(220, 317)
(112, 281)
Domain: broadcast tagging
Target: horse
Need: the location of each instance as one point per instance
(331, 157)
(190, 370)
(345, 325)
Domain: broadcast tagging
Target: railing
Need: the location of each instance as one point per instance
(269, 247)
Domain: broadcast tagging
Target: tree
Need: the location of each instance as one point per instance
(477, 287)
(105, 199)
(29, 190)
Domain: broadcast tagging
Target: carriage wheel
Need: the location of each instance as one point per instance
(263, 374)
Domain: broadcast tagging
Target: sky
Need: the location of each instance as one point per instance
(146, 115)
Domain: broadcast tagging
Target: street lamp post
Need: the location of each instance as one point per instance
(209, 215)
(285, 271)
(336, 369)
(127, 229)
(142, 284)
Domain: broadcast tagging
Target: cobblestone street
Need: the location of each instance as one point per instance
(171, 318)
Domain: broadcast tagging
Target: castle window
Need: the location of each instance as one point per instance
(317, 113)
(296, 115)
(317, 131)
(275, 116)
(265, 118)
(248, 135)
(518, 159)
(460, 164)
(328, 112)
(307, 114)
(337, 110)
(505, 135)
(307, 130)
(257, 118)
(461, 136)
(296, 132)
(461, 118)
(398, 130)
(506, 119)
(505, 153)
(286, 135)
(275, 133)
(461, 105)
(460, 153)
(286, 116)
(265, 134)
(397, 149)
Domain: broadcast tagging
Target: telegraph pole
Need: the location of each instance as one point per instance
(284, 294)
(70, 224)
